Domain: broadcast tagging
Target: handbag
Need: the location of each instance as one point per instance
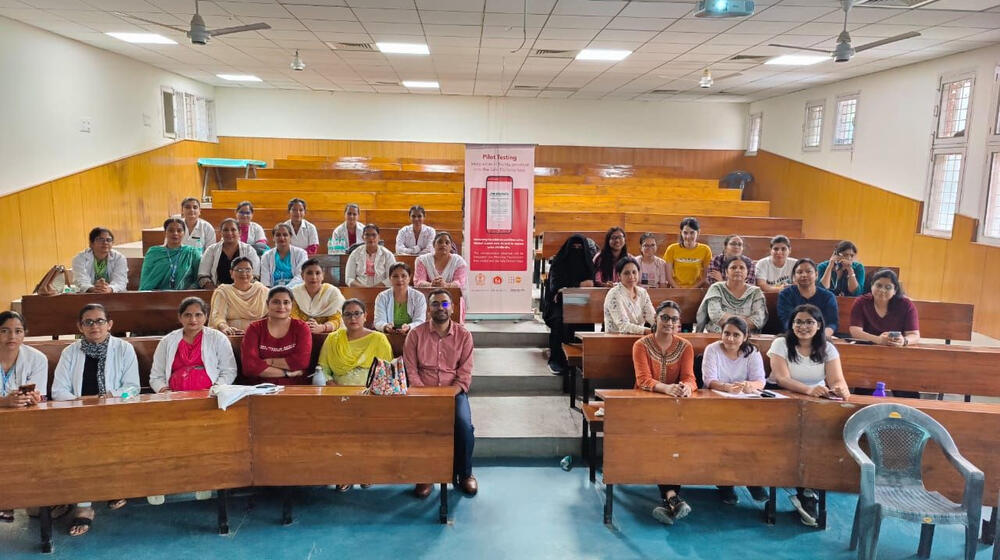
(386, 377)
(54, 282)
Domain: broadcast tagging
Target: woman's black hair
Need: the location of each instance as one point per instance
(729, 261)
(8, 315)
(746, 347)
(355, 301)
(367, 227)
(295, 201)
(239, 260)
(179, 221)
(279, 290)
(623, 262)
(280, 225)
(97, 231)
(691, 223)
(845, 245)
(645, 236)
(193, 300)
(229, 221)
(244, 203)
(354, 205)
(780, 239)
(398, 265)
(441, 234)
(312, 261)
(728, 238)
(804, 260)
(817, 352)
(92, 307)
(418, 209)
(667, 303)
(887, 273)
(606, 261)
(190, 199)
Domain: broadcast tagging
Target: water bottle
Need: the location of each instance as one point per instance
(566, 463)
(340, 244)
(330, 247)
(879, 389)
(129, 393)
(645, 279)
(318, 377)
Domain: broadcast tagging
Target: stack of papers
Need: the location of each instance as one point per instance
(229, 394)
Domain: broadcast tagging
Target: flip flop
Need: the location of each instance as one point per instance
(78, 522)
(117, 504)
(7, 516)
(343, 487)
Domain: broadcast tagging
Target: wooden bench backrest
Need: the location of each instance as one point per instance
(387, 175)
(573, 203)
(563, 221)
(337, 200)
(153, 237)
(756, 247)
(310, 186)
(447, 220)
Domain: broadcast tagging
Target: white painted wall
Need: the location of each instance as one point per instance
(437, 118)
(49, 83)
(895, 123)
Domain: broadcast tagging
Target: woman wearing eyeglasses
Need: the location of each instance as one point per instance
(842, 275)
(348, 352)
(610, 254)
(805, 290)
(732, 297)
(885, 315)
(805, 362)
(652, 269)
(664, 363)
(100, 269)
(733, 246)
(215, 262)
(250, 231)
(97, 365)
(236, 305)
(277, 348)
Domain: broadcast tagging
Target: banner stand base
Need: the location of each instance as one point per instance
(476, 317)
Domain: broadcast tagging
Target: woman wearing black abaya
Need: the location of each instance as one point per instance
(572, 267)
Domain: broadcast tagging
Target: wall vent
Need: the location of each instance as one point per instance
(550, 53)
(362, 47)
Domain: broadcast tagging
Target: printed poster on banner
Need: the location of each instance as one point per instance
(499, 205)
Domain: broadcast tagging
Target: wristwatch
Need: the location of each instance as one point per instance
(285, 371)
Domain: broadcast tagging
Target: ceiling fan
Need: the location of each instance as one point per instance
(199, 32)
(844, 50)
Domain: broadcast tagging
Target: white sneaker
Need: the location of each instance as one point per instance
(662, 514)
(157, 500)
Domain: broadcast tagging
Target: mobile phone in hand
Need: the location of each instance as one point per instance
(25, 389)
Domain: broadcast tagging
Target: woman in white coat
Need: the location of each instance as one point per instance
(304, 234)
(96, 365)
(192, 358)
(282, 265)
(100, 269)
(400, 308)
(416, 238)
(198, 233)
(368, 266)
(214, 268)
(349, 233)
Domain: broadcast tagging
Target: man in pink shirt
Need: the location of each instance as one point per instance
(438, 353)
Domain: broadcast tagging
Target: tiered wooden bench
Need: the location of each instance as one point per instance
(154, 236)
(755, 247)
(633, 220)
(440, 220)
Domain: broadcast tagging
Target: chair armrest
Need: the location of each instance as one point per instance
(867, 487)
(963, 466)
(972, 497)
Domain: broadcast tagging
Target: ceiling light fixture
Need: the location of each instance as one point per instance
(297, 63)
(403, 48)
(797, 59)
(240, 77)
(142, 38)
(706, 79)
(419, 84)
(602, 54)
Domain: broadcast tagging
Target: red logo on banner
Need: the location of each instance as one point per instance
(497, 280)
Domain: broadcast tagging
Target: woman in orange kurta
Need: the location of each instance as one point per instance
(664, 363)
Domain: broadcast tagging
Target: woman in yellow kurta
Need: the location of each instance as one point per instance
(316, 303)
(348, 352)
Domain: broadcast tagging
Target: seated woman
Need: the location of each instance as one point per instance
(236, 305)
(316, 302)
(886, 316)
(100, 269)
(349, 233)
(688, 261)
(442, 268)
(198, 233)
(733, 365)
(732, 298)
(627, 308)
(733, 246)
(368, 266)
(192, 358)
(572, 267)
(277, 348)
(400, 308)
(214, 269)
(842, 275)
(804, 291)
(416, 238)
(664, 363)
(803, 361)
(282, 265)
(652, 269)
(774, 271)
(347, 353)
(250, 231)
(171, 266)
(97, 365)
(304, 234)
(610, 254)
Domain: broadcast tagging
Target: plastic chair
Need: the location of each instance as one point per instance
(892, 483)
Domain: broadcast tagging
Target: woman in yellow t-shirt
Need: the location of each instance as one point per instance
(687, 261)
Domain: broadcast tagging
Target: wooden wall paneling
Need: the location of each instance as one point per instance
(987, 315)
(12, 276)
(926, 271)
(964, 264)
(37, 230)
(71, 231)
(895, 221)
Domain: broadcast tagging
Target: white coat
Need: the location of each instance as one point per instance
(121, 369)
(299, 256)
(83, 270)
(416, 306)
(355, 268)
(31, 366)
(210, 260)
(216, 354)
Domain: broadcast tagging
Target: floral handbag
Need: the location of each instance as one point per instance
(386, 378)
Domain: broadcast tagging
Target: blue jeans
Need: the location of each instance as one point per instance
(465, 439)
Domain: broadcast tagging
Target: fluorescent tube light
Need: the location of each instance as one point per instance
(602, 54)
(240, 77)
(142, 38)
(797, 59)
(403, 48)
(419, 84)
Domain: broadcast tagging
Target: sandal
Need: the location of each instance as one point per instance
(117, 504)
(343, 488)
(58, 511)
(78, 523)
(7, 516)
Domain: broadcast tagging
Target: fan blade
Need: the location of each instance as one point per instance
(727, 76)
(799, 48)
(124, 15)
(886, 41)
(237, 29)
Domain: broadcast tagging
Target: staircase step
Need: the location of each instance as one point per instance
(494, 334)
(525, 427)
(512, 371)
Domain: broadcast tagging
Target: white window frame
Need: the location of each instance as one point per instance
(928, 199)
(992, 191)
(949, 79)
(753, 147)
(193, 116)
(856, 96)
(821, 103)
(171, 131)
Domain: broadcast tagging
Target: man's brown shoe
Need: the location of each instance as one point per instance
(422, 490)
(469, 485)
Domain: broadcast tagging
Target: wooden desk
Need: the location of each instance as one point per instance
(788, 442)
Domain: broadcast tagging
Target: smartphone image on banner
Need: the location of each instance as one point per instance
(499, 204)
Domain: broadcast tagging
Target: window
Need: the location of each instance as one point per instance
(953, 110)
(946, 181)
(167, 97)
(753, 133)
(188, 116)
(812, 127)
(992, 226)
(844, 121)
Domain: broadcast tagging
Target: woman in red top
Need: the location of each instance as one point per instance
(276, 349)
(664, 363)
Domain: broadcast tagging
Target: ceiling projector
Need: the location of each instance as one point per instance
(724, 8)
